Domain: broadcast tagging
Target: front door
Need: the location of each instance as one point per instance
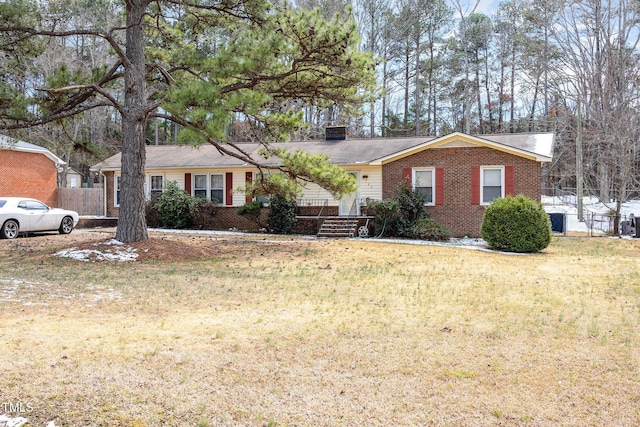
(350, 203)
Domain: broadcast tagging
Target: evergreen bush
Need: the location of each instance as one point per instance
(516, 224)
(282, 215)
(152, 215)
(410, 210)
(385, 214)
(252, 211)
(175, 207)
(427, 228)
(204, 214)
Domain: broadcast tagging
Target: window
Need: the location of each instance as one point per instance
(423, 183)
(210, 187)
(116, 192)
(200, 186)
(217, 188)
(265, 199)
(34, 205)
(492, 184)
(157, 186)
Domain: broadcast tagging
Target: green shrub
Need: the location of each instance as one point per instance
(152, 215)
(410, 210)
(252, 211)
(385, 214)
(175, 207)
(204, 214)
(282, 215)
(516, 224)
(429, 229)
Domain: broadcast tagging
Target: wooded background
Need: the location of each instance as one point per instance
(568, 67)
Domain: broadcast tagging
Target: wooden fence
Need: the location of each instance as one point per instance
(85, 201)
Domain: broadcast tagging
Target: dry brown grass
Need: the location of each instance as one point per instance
(296, 332)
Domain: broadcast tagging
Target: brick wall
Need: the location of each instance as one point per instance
(112, 211)
(457, 213)
(227, 218)
(28, 175)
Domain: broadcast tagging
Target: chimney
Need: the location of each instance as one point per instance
(335, 133)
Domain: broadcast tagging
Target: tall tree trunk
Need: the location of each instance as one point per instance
(512, 108)
(384, 96)
(132, 225)
(372, 42)
(406, 86)
(479, 94)
(532, 115)
(487, 89)
(418, 98)
(432, 105)
(501, 96)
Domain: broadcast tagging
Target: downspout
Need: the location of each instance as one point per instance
(104, 191)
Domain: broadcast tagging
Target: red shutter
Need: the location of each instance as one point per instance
(407, 176)
(508, 181)
(475, 185)
(439, 186)
(248, 178)
(187, 183)
(228, 188)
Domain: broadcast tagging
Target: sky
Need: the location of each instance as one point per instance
(486, 7)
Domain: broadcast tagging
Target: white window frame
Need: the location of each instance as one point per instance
(116, 190)
(482, 171)
(433, 183)
(151, 189)
(206, 185)
(211, 189)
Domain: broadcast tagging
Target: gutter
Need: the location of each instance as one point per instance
(104, 191)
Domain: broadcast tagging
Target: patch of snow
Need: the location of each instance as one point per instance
(119, 253)
(40, 293)
(466, 243)
(6, 421)
(597, 215)
(110, 242)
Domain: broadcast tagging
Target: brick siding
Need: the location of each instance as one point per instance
(28, 175)
(227, 218)
(457, 213)
(112, 211)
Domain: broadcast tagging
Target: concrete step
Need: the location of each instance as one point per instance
(338, 227)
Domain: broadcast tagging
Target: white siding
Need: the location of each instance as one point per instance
(369, 187)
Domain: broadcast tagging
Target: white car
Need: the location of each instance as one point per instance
(24, 215)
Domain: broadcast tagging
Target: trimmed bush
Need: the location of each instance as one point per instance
(175, 207)
(252, 212)
(152, 215)
(428, 229)
(282, 215)
(204, 214)
(516, 224)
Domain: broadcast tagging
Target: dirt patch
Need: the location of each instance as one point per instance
(98, 245)
(153, 248)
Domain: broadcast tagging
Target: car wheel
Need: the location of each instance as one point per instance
(10, 229)
(66, 226)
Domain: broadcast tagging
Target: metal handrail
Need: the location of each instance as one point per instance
(318, 225)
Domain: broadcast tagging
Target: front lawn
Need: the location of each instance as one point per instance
(256, 330)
